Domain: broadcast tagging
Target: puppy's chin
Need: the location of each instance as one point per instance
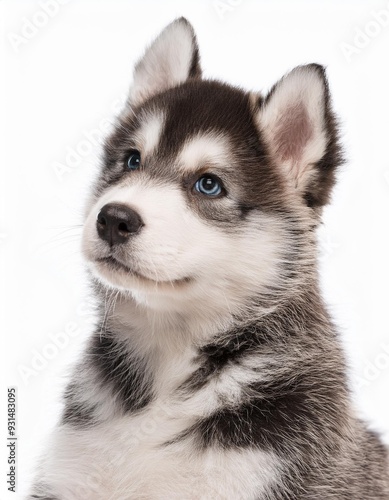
(117, 275)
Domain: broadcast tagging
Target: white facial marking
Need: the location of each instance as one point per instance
(202, 148)
(149, 133)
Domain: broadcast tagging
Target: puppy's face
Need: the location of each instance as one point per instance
(203, 185)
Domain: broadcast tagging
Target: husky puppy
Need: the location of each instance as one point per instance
(216, 371)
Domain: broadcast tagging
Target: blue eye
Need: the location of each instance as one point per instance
(133, 162)
(208, 185)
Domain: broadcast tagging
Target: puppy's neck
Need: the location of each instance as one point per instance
(150, 330)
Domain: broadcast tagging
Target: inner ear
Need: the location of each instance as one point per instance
(300, 131)
(293, 133)
(170, 60)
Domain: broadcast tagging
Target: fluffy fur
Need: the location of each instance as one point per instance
(215, 371)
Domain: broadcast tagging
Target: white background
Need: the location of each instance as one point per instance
(63, 83)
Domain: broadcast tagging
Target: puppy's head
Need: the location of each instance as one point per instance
(208, 191)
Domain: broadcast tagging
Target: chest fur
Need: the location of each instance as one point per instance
(135, 457)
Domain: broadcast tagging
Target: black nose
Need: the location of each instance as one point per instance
(116, 223)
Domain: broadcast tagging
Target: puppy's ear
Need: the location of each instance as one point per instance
(300, 130)
(171, 59)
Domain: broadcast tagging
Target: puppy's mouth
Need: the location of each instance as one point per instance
(115, 265)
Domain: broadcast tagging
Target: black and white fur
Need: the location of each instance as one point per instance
(218, 373)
